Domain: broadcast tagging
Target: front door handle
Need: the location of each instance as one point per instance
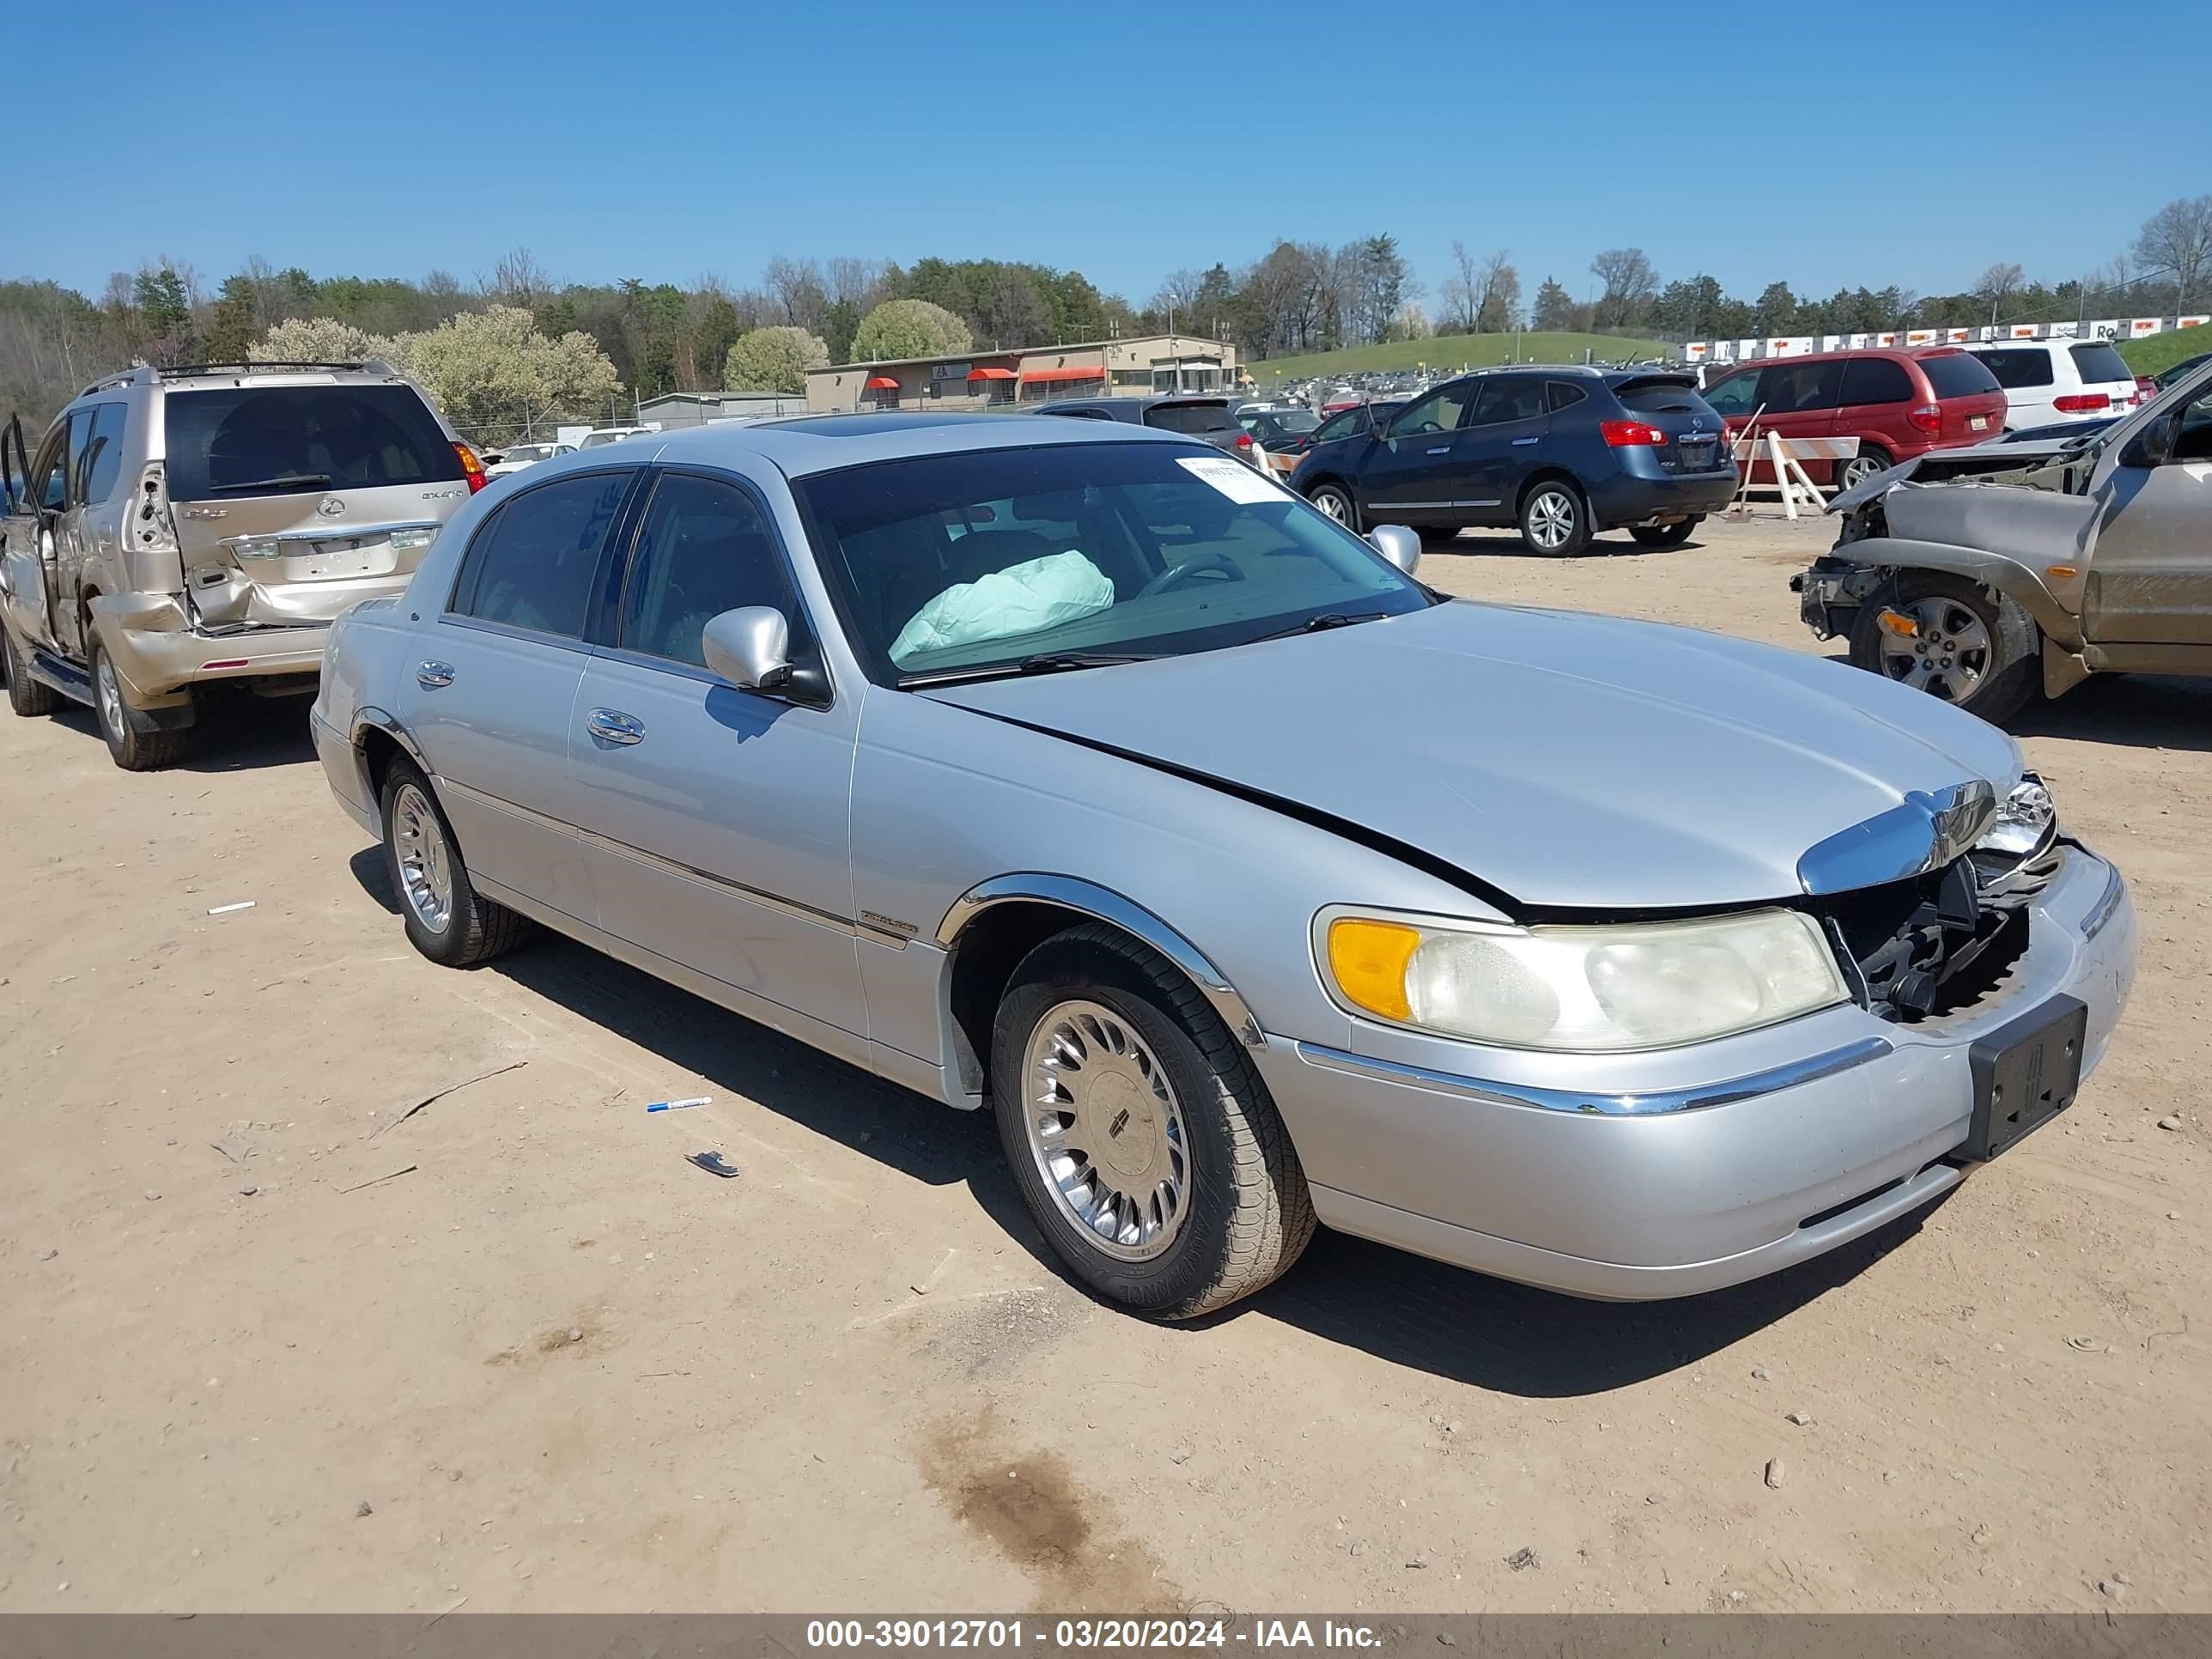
(1440, 449)
(612, 725)
(1517, 443)
(431, 675)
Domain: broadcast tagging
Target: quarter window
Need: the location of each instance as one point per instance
(704, 548)
(532, 565)
(1560, 394)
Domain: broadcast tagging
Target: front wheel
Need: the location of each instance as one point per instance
(26, 695)
(446, 921)
(1554, 520)
(1142, 1140)
(1662, 535)
(1335, 502)
(1945, 636)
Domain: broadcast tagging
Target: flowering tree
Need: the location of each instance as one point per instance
(909, 328)
(773, 359)
(319, 340)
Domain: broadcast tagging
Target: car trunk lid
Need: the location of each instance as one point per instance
(1671, 404)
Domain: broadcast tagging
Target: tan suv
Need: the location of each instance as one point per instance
(180, 532)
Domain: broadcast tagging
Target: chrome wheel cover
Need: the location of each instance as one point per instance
(1949, 656)
(1106, 1131)
(110, 697)
(1860, 468)
(1552, 519)
(1332, 506)
(425, 871)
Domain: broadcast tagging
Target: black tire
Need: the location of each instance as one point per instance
(1346, 510)
(474, 929)
(26, 695)
(1246, 1214)
(1551, 507)
(130, 747)
(1662, 535)
(1870, 460)
(2011, 667)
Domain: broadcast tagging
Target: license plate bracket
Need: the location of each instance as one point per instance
(2026, 1073)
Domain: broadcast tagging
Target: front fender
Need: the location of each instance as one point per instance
(2014, 578)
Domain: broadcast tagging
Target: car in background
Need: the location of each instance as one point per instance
(1561, 453)
(1246, 882)
(602, 435)
(518, 456)
(2180, 371)
(1897, 404)
(1210, 420)
(2048, 381)
(1983, 576)
(1282, 432)
(183, 532)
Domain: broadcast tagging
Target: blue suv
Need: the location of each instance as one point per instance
(1562, 453)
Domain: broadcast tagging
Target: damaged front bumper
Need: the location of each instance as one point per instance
(1829, 595)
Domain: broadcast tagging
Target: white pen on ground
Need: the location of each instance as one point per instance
(678, 1105)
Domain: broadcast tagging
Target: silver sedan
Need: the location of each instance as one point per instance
(1081, 773)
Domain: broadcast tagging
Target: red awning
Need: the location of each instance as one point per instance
(1063, 374)
(990, 374)
(882, 383)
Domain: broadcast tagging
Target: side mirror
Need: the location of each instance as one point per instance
(750, 647)
(2154, 445)
(1402, 546)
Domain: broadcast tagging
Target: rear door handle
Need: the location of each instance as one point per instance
(431, 675)
(1517, 443)
(1440, 449)
(612, 725)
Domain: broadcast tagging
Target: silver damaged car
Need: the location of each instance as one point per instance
(1078, 772)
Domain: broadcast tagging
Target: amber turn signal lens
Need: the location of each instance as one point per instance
(1900, 624)
(2063, 572)
(1368, 961)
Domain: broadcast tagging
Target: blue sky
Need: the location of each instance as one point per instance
(1821, 145)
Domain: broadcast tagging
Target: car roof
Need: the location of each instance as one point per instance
(826, 443)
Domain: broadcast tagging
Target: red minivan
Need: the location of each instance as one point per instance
(1897, 404)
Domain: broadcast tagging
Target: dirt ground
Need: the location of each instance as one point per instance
(267, 1344)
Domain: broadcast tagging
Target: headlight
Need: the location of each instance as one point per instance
(1643, 985)
(2025, 820)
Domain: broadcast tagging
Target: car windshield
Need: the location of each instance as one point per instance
(968, 564)
(1295, 422)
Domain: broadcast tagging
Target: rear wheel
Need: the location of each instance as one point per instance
(1662, 535)
(1335, 500)
(446, 921)
(133, 748)
(25, 695)
(1945, 636)
(1141, 1138)
(1555, 518)
(1862, 466)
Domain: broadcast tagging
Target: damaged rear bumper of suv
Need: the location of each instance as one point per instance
(1638, 1176)
(160, 654)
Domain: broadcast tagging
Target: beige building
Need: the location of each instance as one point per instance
(996, 380)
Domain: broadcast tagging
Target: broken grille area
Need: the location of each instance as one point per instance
(1939, 943)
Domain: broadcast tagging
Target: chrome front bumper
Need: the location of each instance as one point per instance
(1632, 1177)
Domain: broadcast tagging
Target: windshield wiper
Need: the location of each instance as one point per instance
(286, 481)
(1044, 662)
(1322, 624)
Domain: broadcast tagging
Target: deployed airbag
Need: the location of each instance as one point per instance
(1022, 598)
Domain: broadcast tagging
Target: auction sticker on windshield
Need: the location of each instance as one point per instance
(1233, 479)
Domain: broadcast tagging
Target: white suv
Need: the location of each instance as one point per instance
(2046, 382)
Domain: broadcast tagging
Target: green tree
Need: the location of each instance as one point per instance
(234, 322)
(839, 325)
(910, 328)
(1555, 308)
(773, 359)
(1776, 312)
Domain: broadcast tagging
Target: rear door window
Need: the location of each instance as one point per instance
(2017, 368)
(1876, 380)
(532, 565)
(1191, 418)
(101, 463)
(1509, 398)
(1956, 375)
(280, 440)
(2101, 364)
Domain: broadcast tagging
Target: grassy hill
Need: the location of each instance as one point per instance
(2155, 353)
(1452, 351)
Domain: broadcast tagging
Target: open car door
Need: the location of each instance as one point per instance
(22, 569)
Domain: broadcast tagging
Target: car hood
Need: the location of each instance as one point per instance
(1569, 761)
(1938, 465)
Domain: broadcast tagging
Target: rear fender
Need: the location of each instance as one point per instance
(2011, 577)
